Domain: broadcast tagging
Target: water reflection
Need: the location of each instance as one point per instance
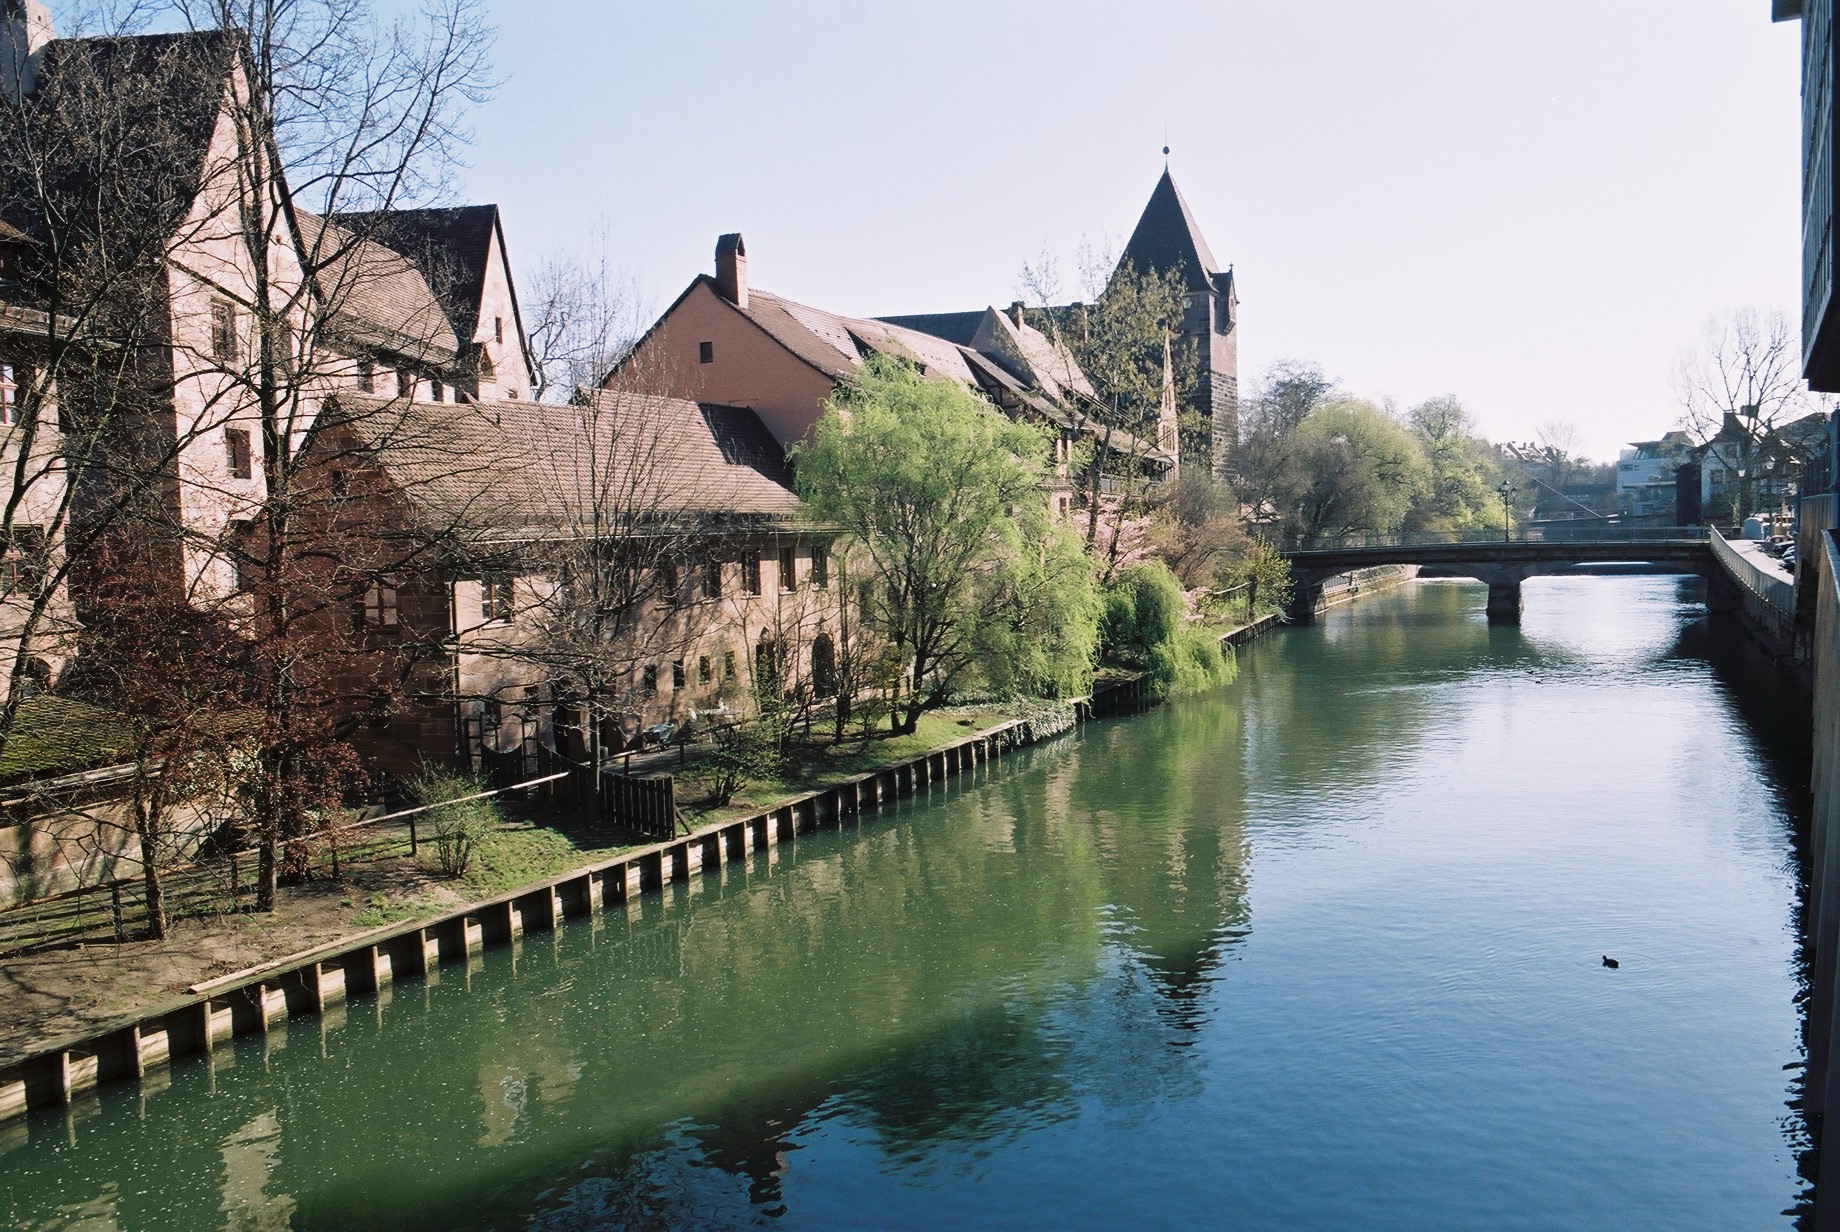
(1206, 948)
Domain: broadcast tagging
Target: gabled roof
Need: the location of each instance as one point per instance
(375, 294)
(451, 246)
(491, 472)
(1167, 237)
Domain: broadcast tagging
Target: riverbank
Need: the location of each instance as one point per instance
(85, 999)
(63, 989)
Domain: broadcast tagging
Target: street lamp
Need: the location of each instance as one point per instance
(1506, 492)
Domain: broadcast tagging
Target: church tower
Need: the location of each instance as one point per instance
(1167, 239)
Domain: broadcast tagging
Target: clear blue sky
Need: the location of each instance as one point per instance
(1534, 207)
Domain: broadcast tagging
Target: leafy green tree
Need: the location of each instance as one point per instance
(1465, 470)
(1265, 575)
(941, 499)
(1353, 468)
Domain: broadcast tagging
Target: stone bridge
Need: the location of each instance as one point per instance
(1503, 560)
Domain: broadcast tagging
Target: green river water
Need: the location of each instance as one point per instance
(1321, 950)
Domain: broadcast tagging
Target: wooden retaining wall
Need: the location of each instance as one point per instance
(256, 1000)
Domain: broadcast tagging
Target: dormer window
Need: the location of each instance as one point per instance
(367, 376)
(405, 383)
(436, 392)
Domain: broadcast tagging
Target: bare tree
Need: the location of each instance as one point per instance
(1288, 392)
(1125, 339)
(585, 316)
(334, 105)
(1747, 364)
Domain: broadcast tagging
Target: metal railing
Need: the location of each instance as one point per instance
(1586, 531)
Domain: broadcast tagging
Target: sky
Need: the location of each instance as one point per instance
(1533, 207)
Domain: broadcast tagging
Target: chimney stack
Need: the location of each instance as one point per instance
(731, 269)
(1017, 315)
(25, 28)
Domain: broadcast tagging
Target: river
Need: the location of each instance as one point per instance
(1321, 950)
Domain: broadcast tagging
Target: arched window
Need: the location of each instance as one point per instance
(823, 666)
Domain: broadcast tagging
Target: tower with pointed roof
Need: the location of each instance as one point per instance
(1166, 240)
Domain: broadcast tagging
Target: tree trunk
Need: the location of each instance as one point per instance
(150, 877)
(267, 874)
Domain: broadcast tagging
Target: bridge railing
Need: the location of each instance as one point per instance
(1773, 590)
(1585, 532)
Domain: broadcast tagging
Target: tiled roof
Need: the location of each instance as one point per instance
(1167, 237)
(496, 471)
(959, 327)
(377, 295)
(1023, 351)
(450, 245)
(152, 101)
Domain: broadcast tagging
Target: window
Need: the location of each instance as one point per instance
(236, 452)
(704, 671)
(648, 680)
(435, 391)
(495, 598)
(488, 371)
(340, 483)
(712, 579)
(670, 578)
(728, 666)
(380, 606)
(498, 329)
(820, 566)
(237, 546)
(367, 376)
(23, 564)
(705, 352)
(750, 573)
(223, 329)
(678, 679)
(9, 394)
(405, 383)
(788, 570)
(766, 666)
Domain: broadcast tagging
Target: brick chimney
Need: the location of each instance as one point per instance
(25, 28)
(1017, 314)
(731, 269)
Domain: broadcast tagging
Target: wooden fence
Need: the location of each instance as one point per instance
(646, 804)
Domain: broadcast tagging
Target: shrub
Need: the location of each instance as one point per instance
(740, 754)
(1145, 627)
(454, 824)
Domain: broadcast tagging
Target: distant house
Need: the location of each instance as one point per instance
(725, 341)
(1747, 468)
(466, 522)
(1647, 477)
